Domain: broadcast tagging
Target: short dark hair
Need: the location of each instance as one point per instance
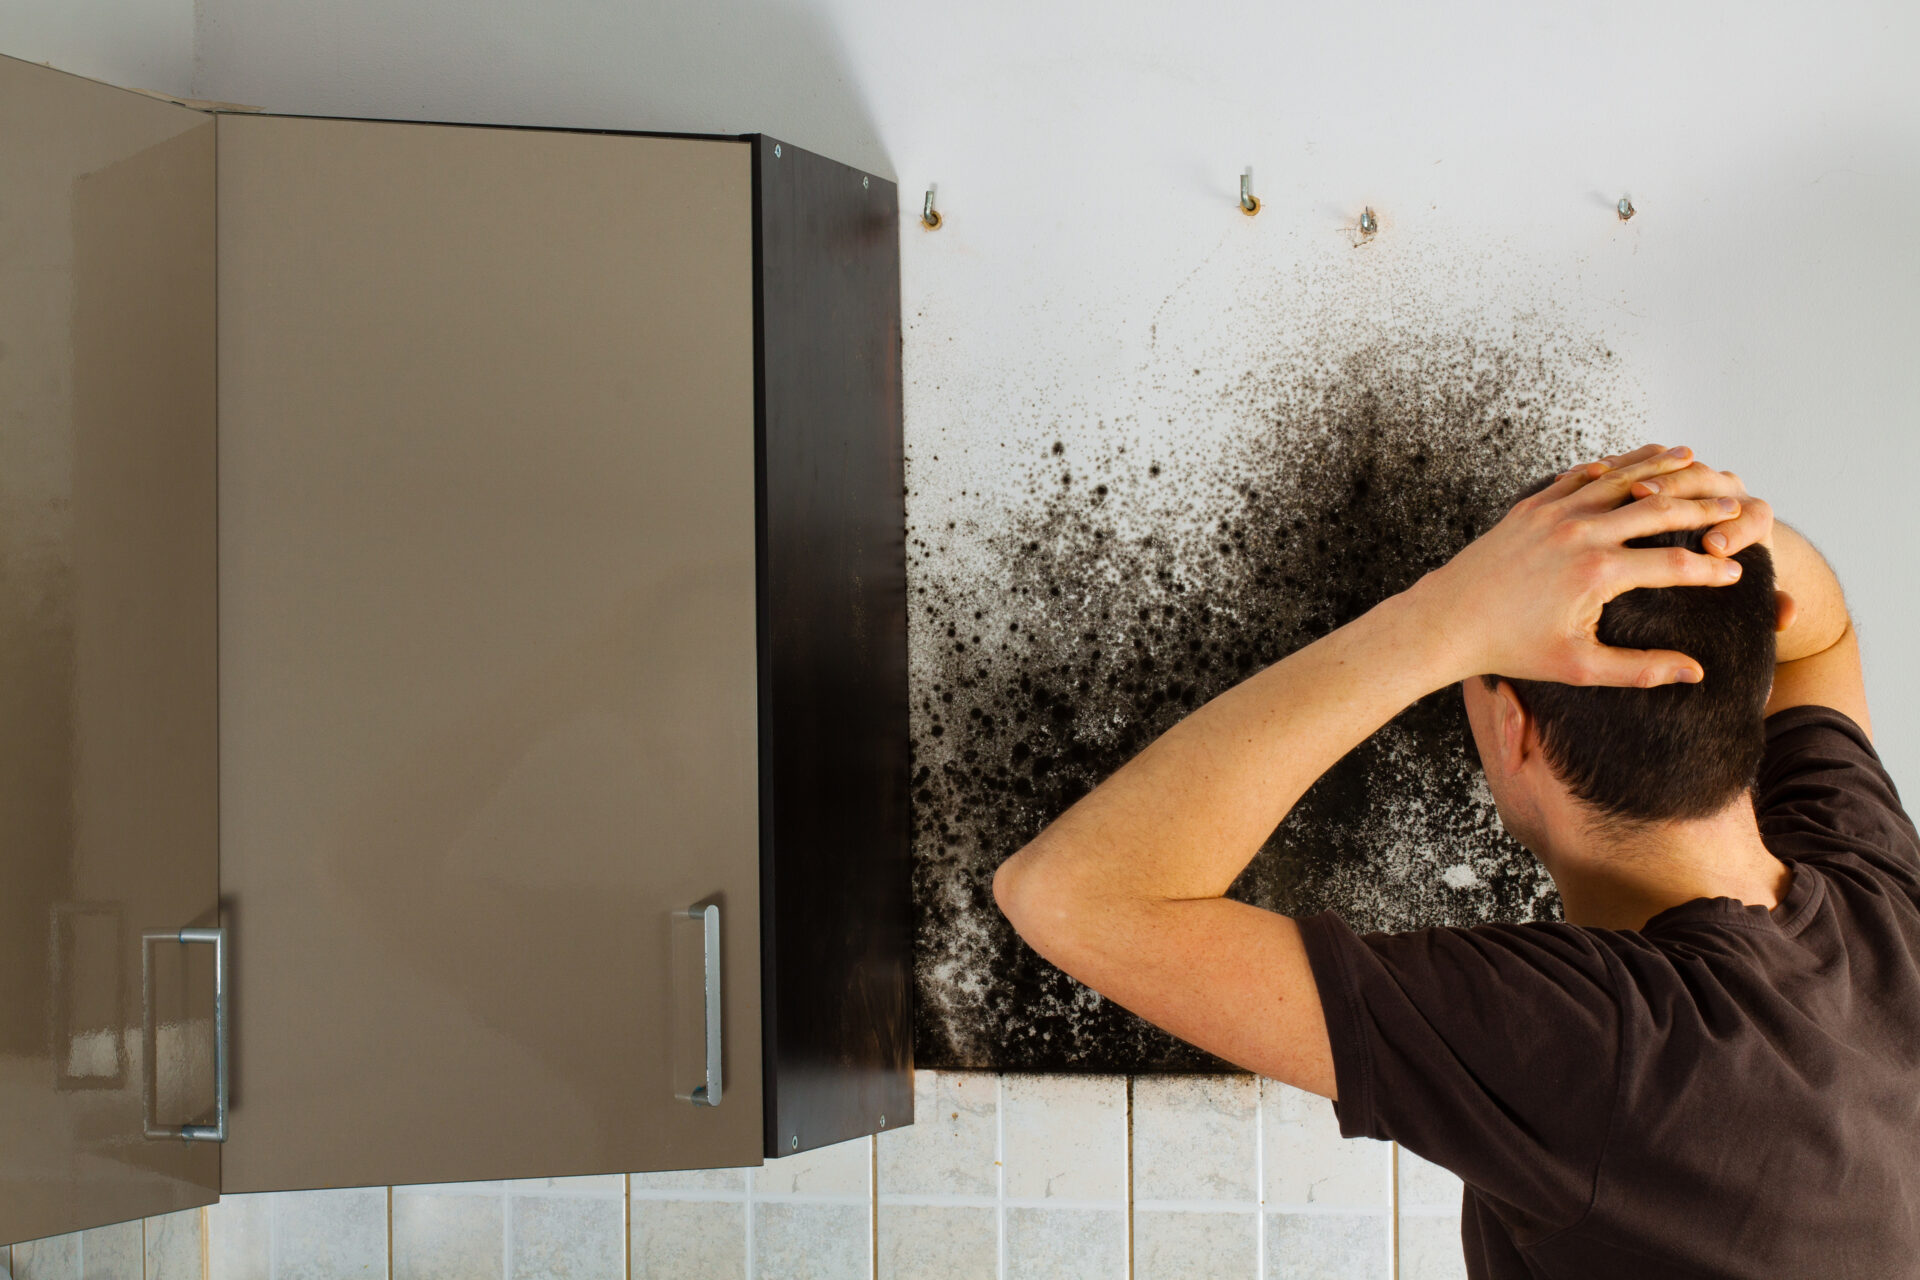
(1678, 750)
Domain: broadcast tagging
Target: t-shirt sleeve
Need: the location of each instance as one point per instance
(1492, 1051)
(1823, 790)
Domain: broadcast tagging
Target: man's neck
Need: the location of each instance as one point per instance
(1620, 880)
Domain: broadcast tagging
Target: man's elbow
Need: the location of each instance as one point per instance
(1032, 897)
(1043, 900)
(1012, 891)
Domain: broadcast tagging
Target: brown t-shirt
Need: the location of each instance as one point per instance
(1728, 1091)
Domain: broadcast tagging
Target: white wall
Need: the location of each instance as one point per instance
(1765, 300)
(141, 44)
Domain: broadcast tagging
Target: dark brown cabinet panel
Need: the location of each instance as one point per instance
(108, 693)
(833, 612)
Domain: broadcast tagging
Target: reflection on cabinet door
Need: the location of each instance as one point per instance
(108, 695)
(489, 724)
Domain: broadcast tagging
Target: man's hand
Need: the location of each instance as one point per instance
(1753, 525)
(1524, 600)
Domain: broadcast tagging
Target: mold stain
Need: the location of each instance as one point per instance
(1144, 573)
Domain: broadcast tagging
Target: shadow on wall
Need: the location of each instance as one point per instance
(733, 67)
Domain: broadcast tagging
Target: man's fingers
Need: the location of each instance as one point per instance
(1637, 668)
(1630, 568)
(1663, 514)
(1613, 488)
(1641, 454)
(1565, 484)
(1753, 524)
(1695, 480)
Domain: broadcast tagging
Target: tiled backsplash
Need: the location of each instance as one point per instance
(1000, 1178)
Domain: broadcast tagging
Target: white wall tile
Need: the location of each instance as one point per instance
(1194, 1138)
(1065, 1137)
(605, 1185)
(1308, 1163)
(1066, 1244)
(1195, 1246)
(1327, 1246)
(812, 1241)
(330, 1235)
(689, 1240)
(566, 1237)
(844, 1169)
(173, 1246)
(112, 1253)
(714, 1180)
(1430, 1248)
(1424, 1185)
(938, 1242)
(950, 1148)
(453, 1232)
(54, 1258)
(240, 1238)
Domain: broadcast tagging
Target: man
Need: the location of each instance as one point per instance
(1713, 1066)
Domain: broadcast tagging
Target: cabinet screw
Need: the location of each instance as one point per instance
(883, 1122)
(776, 151)
(796, 1142)
(863, 181)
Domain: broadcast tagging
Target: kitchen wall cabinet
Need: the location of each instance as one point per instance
(557, 532)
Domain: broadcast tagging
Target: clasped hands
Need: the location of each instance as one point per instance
(1524, 599)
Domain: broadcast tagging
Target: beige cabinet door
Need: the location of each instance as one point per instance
(488, 684)
(108, 758)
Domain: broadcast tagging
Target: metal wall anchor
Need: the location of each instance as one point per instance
(929, 216)
(1248, 204)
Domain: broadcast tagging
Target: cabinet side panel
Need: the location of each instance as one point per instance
(836, 928)
(488, 686)
(108, 681)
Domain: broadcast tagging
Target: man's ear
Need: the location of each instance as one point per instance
(1512, 728)
(1785, 610)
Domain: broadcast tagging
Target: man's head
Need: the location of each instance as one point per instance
(1627, 756)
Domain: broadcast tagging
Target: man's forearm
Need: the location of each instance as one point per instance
(1821, 617)
(1183, 818)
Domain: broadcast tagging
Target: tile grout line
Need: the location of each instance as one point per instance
(626, 1223)
(749, 1202)
(1127, 1164)
(506, 1233)
(1260, 1178)
(389, 1233)
(873, 1211)
(1000, 1174)
(1393, 1215)
(206, 1247)
(143, 1250)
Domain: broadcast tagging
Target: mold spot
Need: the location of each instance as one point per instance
(1121, 603)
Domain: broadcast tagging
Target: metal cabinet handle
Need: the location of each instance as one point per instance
(217, 1131)
(708, 1094)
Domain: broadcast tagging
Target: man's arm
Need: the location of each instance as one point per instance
(1818, 655)
(1125, 890)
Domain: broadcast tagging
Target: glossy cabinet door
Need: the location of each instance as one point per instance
(108, 680)
(488, 686)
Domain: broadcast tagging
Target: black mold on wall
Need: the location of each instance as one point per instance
(1143, 578)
